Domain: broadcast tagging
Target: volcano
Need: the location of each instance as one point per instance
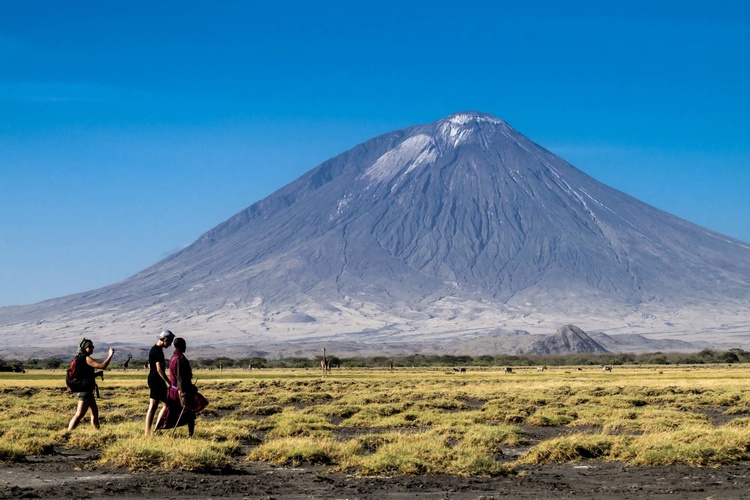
(446, 230)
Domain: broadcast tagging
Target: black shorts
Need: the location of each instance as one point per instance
(85, 396)
(158, 390)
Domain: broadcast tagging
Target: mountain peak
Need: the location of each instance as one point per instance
(469, 120)
(467, 126)
(424, 145)
(463, 117)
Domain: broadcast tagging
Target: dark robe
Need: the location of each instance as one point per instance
(181, 378)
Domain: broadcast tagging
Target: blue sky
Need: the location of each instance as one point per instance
(128, 129)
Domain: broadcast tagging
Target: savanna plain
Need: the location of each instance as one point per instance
(571, 432)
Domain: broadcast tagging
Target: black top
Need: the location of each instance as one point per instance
(84, 369)
(155, 355)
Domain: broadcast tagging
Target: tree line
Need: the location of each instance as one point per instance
(706, 356)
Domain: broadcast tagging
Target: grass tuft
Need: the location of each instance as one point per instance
(569, 449)
(11, 451)
(164, 452)
(298, 450)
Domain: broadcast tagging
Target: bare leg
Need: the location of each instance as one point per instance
(94, 414)
(161, 413)
(83, 406)
(152, 404)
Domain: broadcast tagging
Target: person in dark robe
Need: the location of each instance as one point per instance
(184, 401)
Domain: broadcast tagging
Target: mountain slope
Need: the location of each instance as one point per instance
(439, 229)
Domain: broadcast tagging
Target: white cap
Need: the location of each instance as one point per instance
(166, 334)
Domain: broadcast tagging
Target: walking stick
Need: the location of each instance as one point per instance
(178, 421)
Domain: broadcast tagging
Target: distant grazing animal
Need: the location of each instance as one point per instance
(127, 362)
(460, 370)
(508, 369)
(325, 364)
(541, 368)
(580, 369)
(607, 368)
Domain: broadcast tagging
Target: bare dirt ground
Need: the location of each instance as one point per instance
(76, 474)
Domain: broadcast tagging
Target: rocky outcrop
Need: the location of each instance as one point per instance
(569, 339)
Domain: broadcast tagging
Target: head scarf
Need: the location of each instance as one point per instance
(83, 345)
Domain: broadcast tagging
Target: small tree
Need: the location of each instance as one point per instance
(729, 357)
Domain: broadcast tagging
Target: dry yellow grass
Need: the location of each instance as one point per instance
(403, 421)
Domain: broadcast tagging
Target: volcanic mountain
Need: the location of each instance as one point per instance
(454, 228)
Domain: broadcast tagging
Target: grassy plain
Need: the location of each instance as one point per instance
(407, 421)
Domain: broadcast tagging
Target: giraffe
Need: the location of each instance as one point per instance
(127, 361)
(325, 364)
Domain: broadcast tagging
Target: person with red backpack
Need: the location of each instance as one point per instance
(82, 382)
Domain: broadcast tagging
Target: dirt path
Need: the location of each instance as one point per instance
(76, 475)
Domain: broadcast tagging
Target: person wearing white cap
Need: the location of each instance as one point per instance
(157, 377)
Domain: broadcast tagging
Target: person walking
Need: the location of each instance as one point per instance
(88, 366)
(184, 401)
(158, 382)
